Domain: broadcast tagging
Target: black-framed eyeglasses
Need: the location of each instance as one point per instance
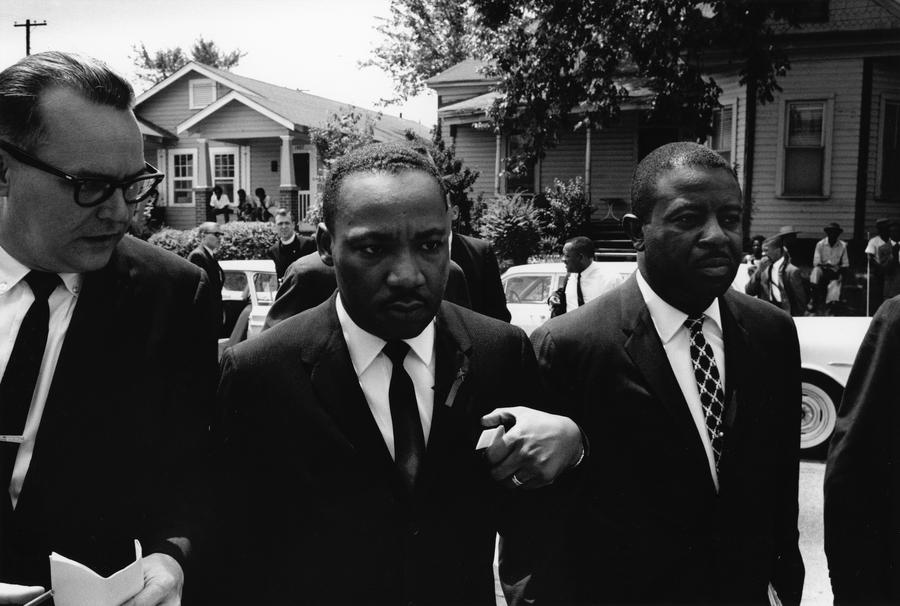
(91, 191)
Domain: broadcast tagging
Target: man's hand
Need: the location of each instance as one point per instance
(18, 594)
(163, 580)
(535, 450)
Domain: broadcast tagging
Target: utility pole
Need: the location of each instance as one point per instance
(28, 25)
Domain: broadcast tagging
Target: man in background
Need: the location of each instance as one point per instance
(107, 355)
(830, 266)
(585, 279)
(479, 264)
(203, 256)
(290, 245)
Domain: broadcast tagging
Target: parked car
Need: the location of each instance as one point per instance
(828, 345)
(248, 283)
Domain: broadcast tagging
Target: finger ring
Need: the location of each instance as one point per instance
(517, 481)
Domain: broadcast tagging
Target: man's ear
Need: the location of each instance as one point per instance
(634, 228)
(4, 176)
(324, 243)
(454, 212)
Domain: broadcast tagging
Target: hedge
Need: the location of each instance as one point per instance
(241, 240)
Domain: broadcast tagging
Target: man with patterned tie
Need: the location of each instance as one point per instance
(348, 470)
(107, 356)
(687, 392)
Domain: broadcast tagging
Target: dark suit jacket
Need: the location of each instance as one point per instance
(125, 422)
(285, 255)
(205, 261)
(794, 297)
(309, 282)
(312, 507)
(477, 260)
(647, 525)
(862, 478)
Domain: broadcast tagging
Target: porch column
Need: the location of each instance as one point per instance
(203, 186)
(587, 165)
(288, 188)
(497, 165)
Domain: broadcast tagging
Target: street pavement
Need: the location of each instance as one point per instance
(816, 589)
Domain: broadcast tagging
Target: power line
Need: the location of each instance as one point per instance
(28, 25)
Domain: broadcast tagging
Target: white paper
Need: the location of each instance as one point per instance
(74, 584)
(489, 437)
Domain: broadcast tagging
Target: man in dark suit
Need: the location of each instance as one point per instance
(290, 245)
(688, 394)
(204, 257)
(862, 510)
(107, 357)
(479, 264)
(356, 422)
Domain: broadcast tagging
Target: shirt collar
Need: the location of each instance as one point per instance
(364, 347)
(590, 269)
(12, 272)
(289, 241)
(669, 319)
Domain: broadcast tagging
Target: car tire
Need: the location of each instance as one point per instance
(818, 413)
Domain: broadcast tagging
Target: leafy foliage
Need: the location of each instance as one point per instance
(155, 66)
(241, 240)
(458, 179)
(421, 39)
(568, 214)
(342, 133)
(512, 225)
(555, 57)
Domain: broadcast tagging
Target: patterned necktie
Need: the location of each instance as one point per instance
(709, 383)
(21, 375)
(578, 292)
(409, 439)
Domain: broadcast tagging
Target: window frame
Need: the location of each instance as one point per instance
(886, 97)
(786, 101)
(192, 104)
(729, 104)
(181, 151)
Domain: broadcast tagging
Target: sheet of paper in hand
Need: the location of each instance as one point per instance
(74, 584)
(489, 437)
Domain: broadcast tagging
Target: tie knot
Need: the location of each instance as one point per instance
(695, 323)
(42, 284)
(396, 351)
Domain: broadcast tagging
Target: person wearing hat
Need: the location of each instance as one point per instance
(777, 280)
(878, 252)
(830, 264)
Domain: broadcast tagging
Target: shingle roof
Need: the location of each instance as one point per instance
(464, 71)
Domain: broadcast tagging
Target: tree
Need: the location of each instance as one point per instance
(421, 39)
(342, 133)
(155, 66)
(570, 65)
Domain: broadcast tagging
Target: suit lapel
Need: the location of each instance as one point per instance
(337, 387)
(646, 351)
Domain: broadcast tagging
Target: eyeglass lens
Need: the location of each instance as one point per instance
(91, 192)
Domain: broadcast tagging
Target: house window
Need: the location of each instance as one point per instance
(201, 93)
(804, 148)
(721, 139)
(889, 158)
(224, 173)
(183, 170)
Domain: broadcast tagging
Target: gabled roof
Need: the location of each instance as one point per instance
(149, 129)
(468, 70)
(283, 105)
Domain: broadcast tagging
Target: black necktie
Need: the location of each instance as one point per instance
(409, 440)
(895, 251)
(578, 291)
(709, 383)
(21, 375)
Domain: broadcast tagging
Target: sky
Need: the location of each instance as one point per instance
(311, 45)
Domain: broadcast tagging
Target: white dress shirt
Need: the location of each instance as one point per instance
(676, 340)
(593, 284)
(374, 368)
(777, 288)
(15, 299)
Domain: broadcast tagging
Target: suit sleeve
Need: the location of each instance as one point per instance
(292, 298)
(798, 288)
(788, 569)
(494, 298)
(859, 475)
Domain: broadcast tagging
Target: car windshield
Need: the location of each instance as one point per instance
(266, 286)
(527, 289)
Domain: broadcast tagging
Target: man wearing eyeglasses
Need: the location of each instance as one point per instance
(204, 257)
(107, 357)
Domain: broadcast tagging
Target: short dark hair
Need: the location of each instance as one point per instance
(283, 212)
(22, 84)
(375, 157)
(758, 238)
(582, 245)
(260, 192)
(665, 158)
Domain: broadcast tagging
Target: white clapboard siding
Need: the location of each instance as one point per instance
(476, 149)
(885, 82)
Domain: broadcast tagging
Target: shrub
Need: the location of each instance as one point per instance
(241, 240)
(567, 213)
(511, 224)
